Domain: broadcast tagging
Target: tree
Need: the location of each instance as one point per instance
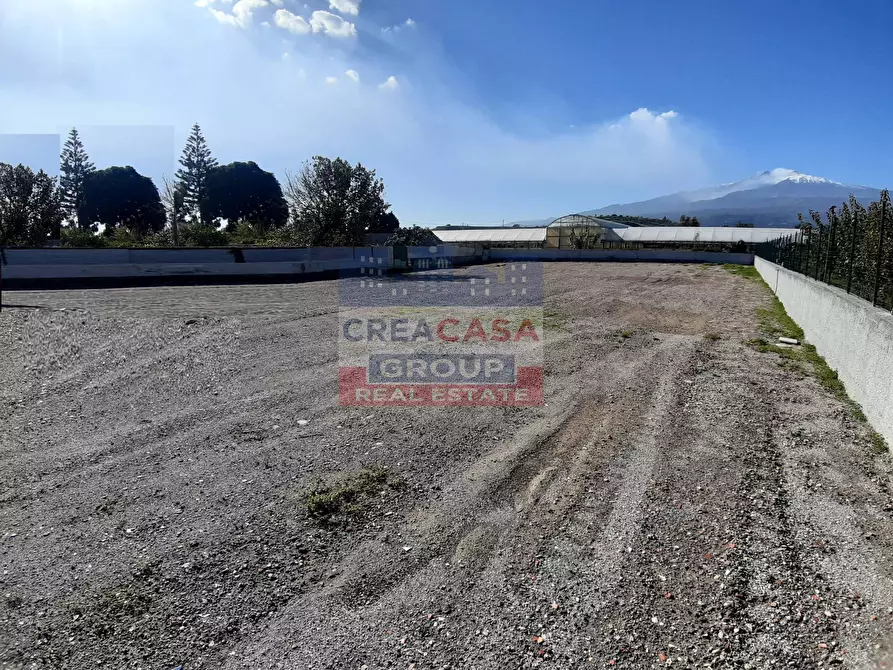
(122, 197)
(584, 236)
(197, 163)
(415, 236)
(387, 223)
(334, 203)
(173, 201)
(243, 193)
(74, 168)
(30, 206)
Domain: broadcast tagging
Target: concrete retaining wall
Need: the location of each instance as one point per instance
(70, 268)
(27, 268)
(855, 338)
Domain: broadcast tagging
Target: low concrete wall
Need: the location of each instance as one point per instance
(70, 268)
(621, 256)
(855, 338)
(73, 268)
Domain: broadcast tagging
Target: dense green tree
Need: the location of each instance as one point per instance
(387, 223)
(335, 203)
(30, 206)
(197, 164)
(74, 167)
(120, 197)
(414, 236)
(244, 193)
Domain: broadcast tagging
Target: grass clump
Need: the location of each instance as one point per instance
(554, 320)
(746, 271)
(626, 334)
(352, 495)
(878, 443)
(712, 337)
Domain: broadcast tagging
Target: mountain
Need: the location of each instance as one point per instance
(769, 199)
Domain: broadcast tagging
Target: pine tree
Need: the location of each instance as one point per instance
(197, 163)
(75, 166)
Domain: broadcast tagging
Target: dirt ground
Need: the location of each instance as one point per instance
(680, 500)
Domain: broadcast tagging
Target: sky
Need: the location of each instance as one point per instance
(472, 111)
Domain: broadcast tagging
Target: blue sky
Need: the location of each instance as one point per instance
(472, 111)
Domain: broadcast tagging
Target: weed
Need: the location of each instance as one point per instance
(878, 443)
(554, 320)
(350, 495)
(712, 337)
(626, 334)
(746, 271)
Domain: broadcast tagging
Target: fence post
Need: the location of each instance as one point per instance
(854, 231)
(818, 254)
(805, 269)
(880, 253)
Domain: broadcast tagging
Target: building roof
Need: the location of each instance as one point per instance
(574, 220)
(483, 235)
(683, 234)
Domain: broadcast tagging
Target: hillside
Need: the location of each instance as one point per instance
(769, 199)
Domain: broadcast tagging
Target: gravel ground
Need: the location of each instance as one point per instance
(680, 500)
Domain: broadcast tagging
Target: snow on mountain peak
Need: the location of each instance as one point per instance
(779, 175)
(761, 180)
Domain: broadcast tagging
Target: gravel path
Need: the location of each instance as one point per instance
(680, 499)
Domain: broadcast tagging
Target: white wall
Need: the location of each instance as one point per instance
(621, 255)
(855, 338)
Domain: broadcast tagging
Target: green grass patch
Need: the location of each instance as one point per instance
(746, 271)
(775, 322)
(352, 495)
(626, 334)
(554, 320)
(878, 443)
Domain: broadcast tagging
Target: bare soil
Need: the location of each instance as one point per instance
(680, 499)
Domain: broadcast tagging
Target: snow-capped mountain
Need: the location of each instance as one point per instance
(770, 198)
(761, 180)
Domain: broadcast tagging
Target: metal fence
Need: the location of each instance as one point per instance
(852, 248)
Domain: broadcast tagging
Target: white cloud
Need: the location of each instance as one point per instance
(409, 23)
(331, 80)
(330, 24)
(291, 22)
(345, 6)
(320, 22)
(527, 166)
(353, 74)
(390, 85)
(243, 11)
